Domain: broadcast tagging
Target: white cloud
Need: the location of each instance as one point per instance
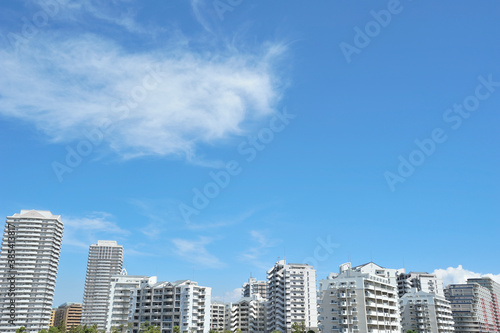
(195, 251)
(167, 101)
(263, 243)
(229, 296)
(452, 275)
(84, 231)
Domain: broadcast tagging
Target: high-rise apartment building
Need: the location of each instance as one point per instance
(105, 260)
(169, 304)
(119, 297)
(249, 315)
(291, 297)
(254, 287)
(29, 259)
(425, 312)
(473, 305)
(494, 289)
(220, 316)
(359, 299)
(426, 282)
(70, 314)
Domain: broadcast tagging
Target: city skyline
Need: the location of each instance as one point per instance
(215, 137)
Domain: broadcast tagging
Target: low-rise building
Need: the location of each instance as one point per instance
(169, 304)
(69, 314)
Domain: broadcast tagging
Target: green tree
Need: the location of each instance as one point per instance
(21, 329)
(411, 331)
(177, 329)
(42, 331)
(53, 330)
(299, 327)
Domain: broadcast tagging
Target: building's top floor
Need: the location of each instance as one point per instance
(35, 214)
(69, 304)
(109, 243)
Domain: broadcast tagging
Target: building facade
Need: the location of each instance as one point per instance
(254, 287)
(426, 282)
(249, 315)
(220, 316)
(119, 297)
(105, 260)
(425, 312)
(473, 306)
(169, 304)
(494, 289)
(359, 299)
(70, 314)
(29, 260)
(291, 297)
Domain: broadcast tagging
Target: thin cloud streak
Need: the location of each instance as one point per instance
(195, 252)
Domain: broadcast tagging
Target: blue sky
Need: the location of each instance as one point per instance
(336, 131)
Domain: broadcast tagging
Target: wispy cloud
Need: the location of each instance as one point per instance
(195, 251)
(220, 223)
(453, 275)
(262, 244)
(229, 296)
(84, 231)
(166, 101)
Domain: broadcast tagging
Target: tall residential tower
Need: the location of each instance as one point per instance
(105, 260)
(29, 260)
(291, 297)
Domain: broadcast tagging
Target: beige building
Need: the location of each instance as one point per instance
(68, 313)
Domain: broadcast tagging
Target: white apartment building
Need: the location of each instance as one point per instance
(169, 304)
(249, 315)
(29, 259)
(220, 314)
(425, 312)
(426, 282)
(473, 306)
(119, 297)
(105, 260)
(291, 297)
(254, 287)
(360, 299)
